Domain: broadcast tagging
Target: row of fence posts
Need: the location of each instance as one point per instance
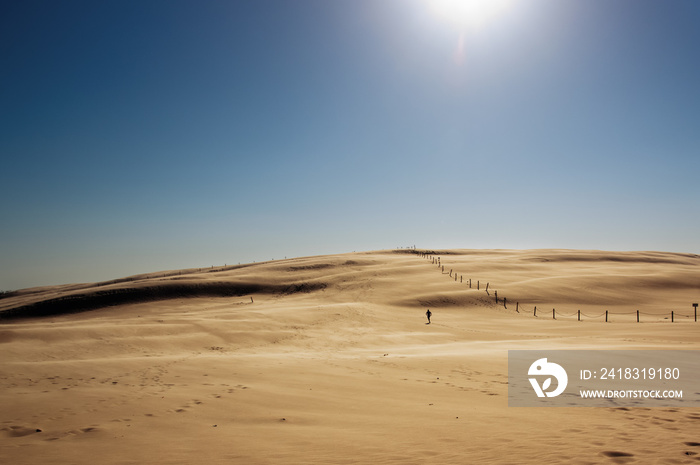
(436, 260)
(578, 314)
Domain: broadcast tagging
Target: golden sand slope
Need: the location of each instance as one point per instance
(329, 360)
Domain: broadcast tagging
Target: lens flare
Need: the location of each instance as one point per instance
(469, 13)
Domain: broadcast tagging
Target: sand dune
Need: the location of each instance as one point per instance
(328, 360)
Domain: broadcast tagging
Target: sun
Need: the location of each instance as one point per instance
(469, 13)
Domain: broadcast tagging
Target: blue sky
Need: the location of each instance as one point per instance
(139, 136)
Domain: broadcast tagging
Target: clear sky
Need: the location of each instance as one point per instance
(146, 135)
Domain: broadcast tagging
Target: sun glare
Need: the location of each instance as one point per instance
(469, 13)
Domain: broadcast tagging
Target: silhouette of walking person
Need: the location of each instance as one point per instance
(428, 314)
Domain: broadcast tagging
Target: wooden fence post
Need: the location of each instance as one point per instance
(606, 316)
(504, 303)
(696, 311)
(579, 315)
(535, 313)
(637, 316)
(496, 293)
(517, 304)
(554, 316)
(477, 284)
(671, 316)
(487, 288)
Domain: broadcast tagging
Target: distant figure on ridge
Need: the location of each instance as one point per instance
(428, 314)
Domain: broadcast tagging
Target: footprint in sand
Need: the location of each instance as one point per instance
(613, 453)
(184, 408)
(617, 456)
(73, 432)
(20, 431)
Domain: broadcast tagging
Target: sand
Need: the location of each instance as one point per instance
(328, 359)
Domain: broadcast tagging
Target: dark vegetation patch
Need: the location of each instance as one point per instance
(76, 303)
(319, 266)
(304, 287)
(438, 302)
(5, 294)
(428, 252)
(632, 258)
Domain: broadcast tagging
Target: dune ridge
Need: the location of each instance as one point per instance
(604, 285)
